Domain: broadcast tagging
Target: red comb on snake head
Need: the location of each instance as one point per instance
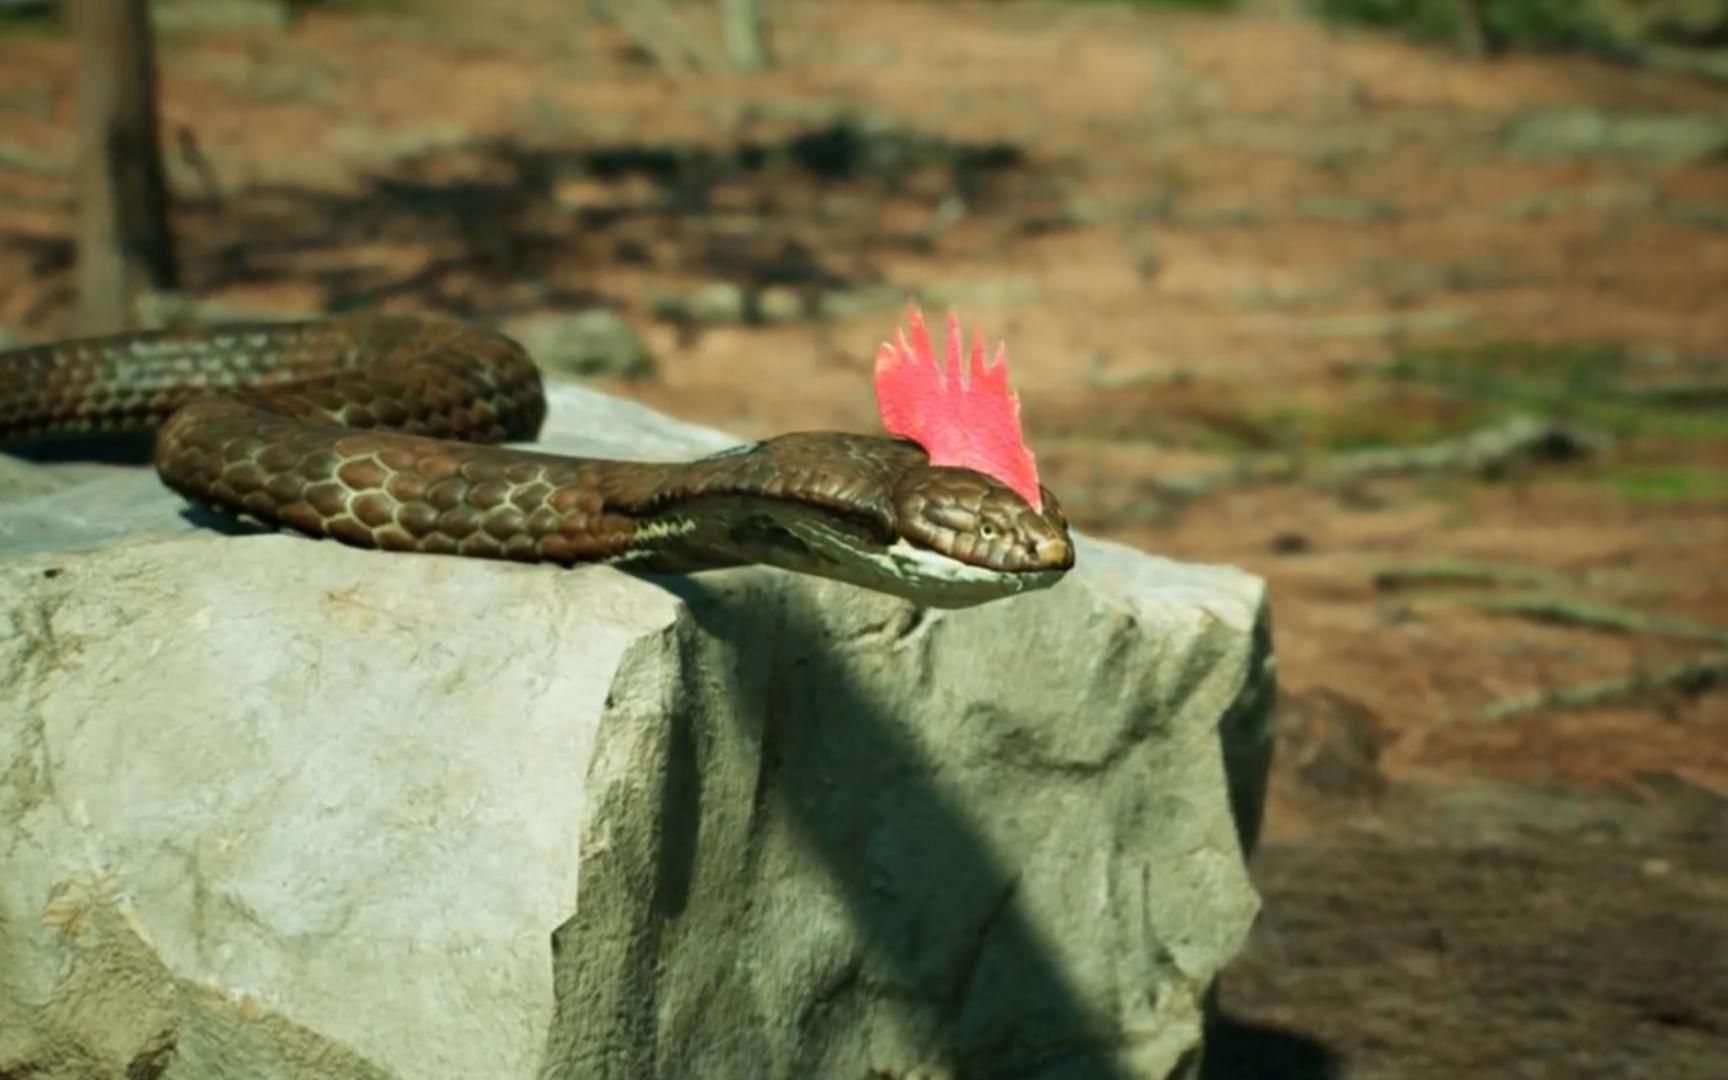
(962, 413)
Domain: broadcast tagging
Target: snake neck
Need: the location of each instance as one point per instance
(797, 501)
(817, 503)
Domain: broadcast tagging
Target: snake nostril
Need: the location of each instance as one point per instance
(1052, 551)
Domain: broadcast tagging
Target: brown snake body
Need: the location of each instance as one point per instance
(379, 433)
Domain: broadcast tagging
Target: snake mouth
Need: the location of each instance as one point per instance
(937, 580)
(825, 546)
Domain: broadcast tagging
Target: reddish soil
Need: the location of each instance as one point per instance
(1204, 238)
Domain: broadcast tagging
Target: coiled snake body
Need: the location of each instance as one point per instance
(378, 432)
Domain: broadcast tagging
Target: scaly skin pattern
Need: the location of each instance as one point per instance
(381, 432)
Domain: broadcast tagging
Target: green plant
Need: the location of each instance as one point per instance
(29, 22)
(1535, 24)
(1668, 483)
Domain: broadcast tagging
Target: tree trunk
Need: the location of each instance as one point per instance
(741, 29)
(124, 246)
(1473, 39)
(657, 31)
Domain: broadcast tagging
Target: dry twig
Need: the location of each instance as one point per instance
(1692, 677)
(1566, 611)
(1458, 572)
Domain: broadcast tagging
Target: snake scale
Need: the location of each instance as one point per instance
(382, 433)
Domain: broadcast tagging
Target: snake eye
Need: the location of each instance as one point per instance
(988, 532)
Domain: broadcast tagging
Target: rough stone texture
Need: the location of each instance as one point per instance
(275, 808)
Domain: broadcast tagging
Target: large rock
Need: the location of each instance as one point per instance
(274, 808)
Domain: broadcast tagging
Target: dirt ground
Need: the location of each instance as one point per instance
(1235, 259)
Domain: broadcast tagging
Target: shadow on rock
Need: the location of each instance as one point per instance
(917, 878)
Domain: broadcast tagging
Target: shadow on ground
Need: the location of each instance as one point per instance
(1237, 1049)
(481, 230)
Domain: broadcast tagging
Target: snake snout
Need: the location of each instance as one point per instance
(972, 518)
(1053, 553)
(1043, 539)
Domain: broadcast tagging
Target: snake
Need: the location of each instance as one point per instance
(389, 433)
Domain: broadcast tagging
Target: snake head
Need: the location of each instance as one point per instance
(872, 512)
(961, 537)
(972, 519)
(979, 522)
(951, 538)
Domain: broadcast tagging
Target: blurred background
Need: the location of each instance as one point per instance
(1417, 308)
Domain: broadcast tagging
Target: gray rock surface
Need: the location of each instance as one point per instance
(276, 808)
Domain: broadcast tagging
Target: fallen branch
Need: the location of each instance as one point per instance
(1702, 394)
(1487, 451)
(1458, 572)
(1705, 63)
(1565, 611)
(1691, 678)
